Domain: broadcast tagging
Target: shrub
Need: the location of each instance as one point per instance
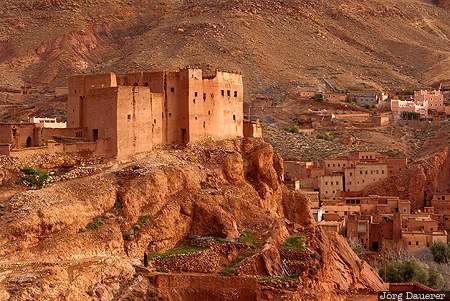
(317, 97)
(440, 252)
(95, 224)
(413, 271)
(34, 178)
(247, 238)
(325, 136)
(293, 130)
(295, 243)
(142, 221)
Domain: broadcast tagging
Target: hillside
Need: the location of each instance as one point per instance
(215, 219)
(277, 44)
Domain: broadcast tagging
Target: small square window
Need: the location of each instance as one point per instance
(172, 89)
(129, 116)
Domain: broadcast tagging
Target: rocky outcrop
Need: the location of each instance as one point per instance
(419, 182)
(83, 238)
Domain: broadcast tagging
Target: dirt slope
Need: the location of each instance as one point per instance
(275, 43)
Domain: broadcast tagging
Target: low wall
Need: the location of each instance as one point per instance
(5, 149)
(191, 287)
(353, 117)
(23, 153)
(100, 147)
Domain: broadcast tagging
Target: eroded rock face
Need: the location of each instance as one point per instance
(82, 239)
(418, 184)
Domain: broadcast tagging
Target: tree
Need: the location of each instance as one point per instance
(413, 271)
(440, 252)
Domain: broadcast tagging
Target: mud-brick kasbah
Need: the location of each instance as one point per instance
(123, 115)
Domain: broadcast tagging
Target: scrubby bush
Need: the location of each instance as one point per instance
(413, 271)
(329, 136)
(318, 97)
(34, 178)
(247, 238)
(440, 251)
(292, 129)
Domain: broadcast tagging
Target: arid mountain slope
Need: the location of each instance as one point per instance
(275, 43)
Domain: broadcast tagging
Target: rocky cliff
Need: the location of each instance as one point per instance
(420, 181)
(85, 239)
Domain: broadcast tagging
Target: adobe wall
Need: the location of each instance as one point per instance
(362, 175)
(207, 287)
(18, 134)
(51, 133)
(5, 149)
(361, 117)
(337, 165)
(101, 119)
(5, 133)
(330, 186)
(78, 87)
(227, 108)
(176, 110)
(134, 121)
(415, 241)
(396, 165)
(252, 129)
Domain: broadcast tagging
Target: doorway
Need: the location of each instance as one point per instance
(95, 134)
(29, 142)
(184, 136)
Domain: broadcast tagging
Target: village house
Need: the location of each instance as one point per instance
(48, 122)
(338, 176)
(335, 97)
(367, 98)
(122, 115)
(434, 99)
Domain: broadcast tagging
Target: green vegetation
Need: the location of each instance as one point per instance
(142, 221)
(413, 271)
(292, 129)
(317, 97)
(95, 224)
(118, 205)
(410, 115)
(34, 178)
(440, 251)
(406, 92)
(281, 278)
(295, 243)
(178, 251)
(329, 136)
(230, 270)
(247, 238)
